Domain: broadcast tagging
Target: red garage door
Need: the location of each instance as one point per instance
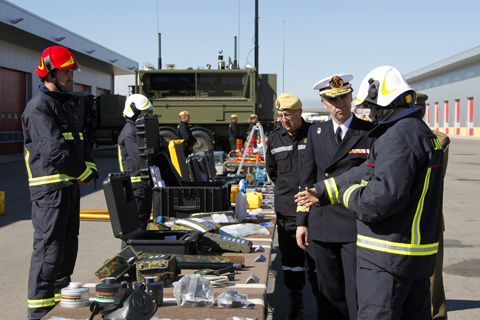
(101, 91)
(79, 87)
(12, 103)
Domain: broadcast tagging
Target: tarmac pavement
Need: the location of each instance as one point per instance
(97, 244)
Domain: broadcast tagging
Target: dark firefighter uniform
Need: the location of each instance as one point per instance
(233, 135)
(283, 161)
(397, 197)
(129, 161)
(187, 136)
(56, 157)
(332, 229)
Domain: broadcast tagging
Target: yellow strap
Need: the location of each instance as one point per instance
(397, 247)
(49, 179)
(67, 135)
(348, 193)
(85, 174)
(332, 190)
(27, 157)
(416, 236)
(41, 303)
(91, 165)
(120, 158)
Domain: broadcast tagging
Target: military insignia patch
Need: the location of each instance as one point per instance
(336, 82)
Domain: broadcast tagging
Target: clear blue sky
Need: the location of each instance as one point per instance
(321, 37)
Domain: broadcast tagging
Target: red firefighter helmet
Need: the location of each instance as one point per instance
(56, 57)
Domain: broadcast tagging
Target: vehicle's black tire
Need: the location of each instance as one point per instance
(204, 141)
(167, 135)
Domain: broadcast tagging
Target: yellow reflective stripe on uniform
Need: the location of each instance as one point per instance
(135, 179)
(67, 135)
(120, 158)
(348, 193)
(91, 165)
(54, 178)
(58, 297)
(48, 179)
(41, 303)
(27, 157)
(364, 182)
(397, 247)
(85, 174)
(332, 190)
(81, 135)
(416, 237)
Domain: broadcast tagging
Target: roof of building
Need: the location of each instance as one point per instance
(457, 61)
(31, 31)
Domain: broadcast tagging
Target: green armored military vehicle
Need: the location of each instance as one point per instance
(211, 96)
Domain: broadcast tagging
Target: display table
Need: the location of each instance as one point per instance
(170, 310)
(249, 166)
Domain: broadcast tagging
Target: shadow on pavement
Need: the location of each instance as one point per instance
(455, 305)
(279, 299)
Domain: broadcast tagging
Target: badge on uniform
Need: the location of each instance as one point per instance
(359, 151)
(319, 130)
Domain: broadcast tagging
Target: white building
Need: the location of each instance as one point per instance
(453, 89)
(23, 37)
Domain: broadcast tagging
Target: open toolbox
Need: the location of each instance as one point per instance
(126, 224)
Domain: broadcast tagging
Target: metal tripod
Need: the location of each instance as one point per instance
(257, 127)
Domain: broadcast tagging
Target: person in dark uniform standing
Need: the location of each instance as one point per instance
(58, 161)
(128, 158)
(233, 132)
(437, 290)
(285, 148)
(332, 148)
(253, 123)
(184, 131)
(397, 197)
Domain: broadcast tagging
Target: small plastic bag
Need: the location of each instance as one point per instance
(243, 229)
(193, 291)
(232, 299)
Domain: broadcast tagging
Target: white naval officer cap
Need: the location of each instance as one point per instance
(334, 86)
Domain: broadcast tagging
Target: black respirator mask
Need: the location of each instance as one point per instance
(378, 113)
(128, 304)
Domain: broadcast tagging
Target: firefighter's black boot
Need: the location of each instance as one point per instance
(296, 306)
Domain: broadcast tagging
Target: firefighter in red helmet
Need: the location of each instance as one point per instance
(58, 161)
(59, 63)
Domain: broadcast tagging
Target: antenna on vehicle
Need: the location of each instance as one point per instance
(159, 42)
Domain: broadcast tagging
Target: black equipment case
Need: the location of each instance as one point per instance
(126, 223)
(193, 197)
(149, 144)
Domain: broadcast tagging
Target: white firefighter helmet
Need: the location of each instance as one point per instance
(136, 103)
(382, 86)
